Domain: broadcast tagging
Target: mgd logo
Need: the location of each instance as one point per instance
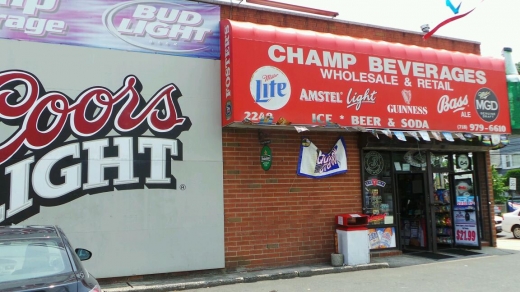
(486, 104)
(270, 88)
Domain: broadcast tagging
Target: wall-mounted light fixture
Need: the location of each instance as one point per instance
(294, 7)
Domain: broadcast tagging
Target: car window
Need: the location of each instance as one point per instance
(34, 258)
(75, 261)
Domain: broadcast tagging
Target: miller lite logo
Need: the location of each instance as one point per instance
(270, 88)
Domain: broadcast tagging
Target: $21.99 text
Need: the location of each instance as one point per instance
(466, 235)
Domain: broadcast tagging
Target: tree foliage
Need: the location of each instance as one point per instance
(499, 186)
(512, 173)
(518, 66)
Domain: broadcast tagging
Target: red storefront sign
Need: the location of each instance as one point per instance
(310, 78)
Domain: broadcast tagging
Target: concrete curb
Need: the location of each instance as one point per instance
(250, 277)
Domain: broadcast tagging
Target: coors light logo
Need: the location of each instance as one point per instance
(40, 169)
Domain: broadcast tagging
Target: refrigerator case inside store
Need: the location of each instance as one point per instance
(443, 218)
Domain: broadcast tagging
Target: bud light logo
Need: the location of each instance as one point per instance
(486, 104)
(270, 88)
(181, 28)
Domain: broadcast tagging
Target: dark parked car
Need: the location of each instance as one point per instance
(41, 258)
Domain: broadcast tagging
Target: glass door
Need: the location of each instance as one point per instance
(465, 210)
(412, 211)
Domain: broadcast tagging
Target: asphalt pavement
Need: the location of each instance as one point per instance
(315, 277)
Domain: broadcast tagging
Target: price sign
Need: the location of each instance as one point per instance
(466, 235)
(465, 227)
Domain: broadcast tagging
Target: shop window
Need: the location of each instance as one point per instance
(378, 190)
(440, 161)
(463, 162)
(412, 160)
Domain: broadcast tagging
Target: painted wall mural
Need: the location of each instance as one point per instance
(62, 172)
(118, 149)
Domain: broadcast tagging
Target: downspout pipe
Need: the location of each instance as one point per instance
(491, 215)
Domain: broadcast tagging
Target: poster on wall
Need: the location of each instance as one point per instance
(381, 238)
(464, 212)
(314, 163)
(374, 201)
(173, 27)
(112, 144)
(465, 227)
(464, 192)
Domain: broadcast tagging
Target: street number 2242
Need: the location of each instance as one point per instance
(254, 116)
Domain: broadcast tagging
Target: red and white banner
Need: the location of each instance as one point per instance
(310, 78)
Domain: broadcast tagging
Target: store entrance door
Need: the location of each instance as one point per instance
(413, 211)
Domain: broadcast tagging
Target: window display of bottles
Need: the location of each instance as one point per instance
(444, 240)
(444, 234)
(443, 209)
(444, 231)
(443, 219)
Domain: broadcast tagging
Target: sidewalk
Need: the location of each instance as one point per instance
(222, 278)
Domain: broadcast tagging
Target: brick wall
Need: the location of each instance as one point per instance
(276, 218)
(486, 195)
(239, 13)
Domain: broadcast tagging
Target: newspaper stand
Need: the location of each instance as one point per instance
(353, 238)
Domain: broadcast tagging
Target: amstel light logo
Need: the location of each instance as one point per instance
(270, 88)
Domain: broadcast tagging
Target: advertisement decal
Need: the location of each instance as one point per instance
(317, 79)
(42, 168)
(314, 163)
(114, 144)
(465, 227)
(226, 73)
(173, 27)
(381, 238)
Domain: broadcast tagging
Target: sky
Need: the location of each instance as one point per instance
(493, 23)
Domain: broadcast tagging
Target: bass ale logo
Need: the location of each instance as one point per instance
(122, 141)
